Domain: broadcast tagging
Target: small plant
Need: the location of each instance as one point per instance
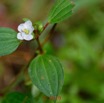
(45, 71)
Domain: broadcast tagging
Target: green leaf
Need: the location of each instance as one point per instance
(61, 11)
(46, 73)
(25, 19)
(16, 97)
(8, 41)
(40, 100)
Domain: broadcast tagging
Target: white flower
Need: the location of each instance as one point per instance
(25, 31)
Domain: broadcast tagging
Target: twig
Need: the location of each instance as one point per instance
(45, 26)
(38, 41)
(50, 34)
(40, 47)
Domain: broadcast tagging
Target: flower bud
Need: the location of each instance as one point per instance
(39, 26)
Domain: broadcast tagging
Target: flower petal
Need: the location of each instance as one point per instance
(31, 29)
(28, 23)
(19, 36)
(26, 26)
(21, 27)
(27, 37)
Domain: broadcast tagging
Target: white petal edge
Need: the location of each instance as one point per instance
(31, 29)
(19, 36)
(21, 27)
(27, 37)
(28, 23)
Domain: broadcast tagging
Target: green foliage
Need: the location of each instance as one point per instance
(46, 73)
(16, 97)
(25, 19)
(8, 41)
(61, 11)
(39, 26)
(40, 101)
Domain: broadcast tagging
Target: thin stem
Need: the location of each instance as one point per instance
(39, 47)
(50, 34)
(45, 26)
(38, 41)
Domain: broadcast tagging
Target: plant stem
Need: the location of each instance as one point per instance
(45, 26)
(50, 34)
(38, 41)
(39, 46)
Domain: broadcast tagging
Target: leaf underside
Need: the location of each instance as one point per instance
(61, 11)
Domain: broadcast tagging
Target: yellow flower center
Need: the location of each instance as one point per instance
(26, 31)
